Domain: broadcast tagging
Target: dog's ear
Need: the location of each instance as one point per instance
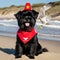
(18, 15)
(35, 13)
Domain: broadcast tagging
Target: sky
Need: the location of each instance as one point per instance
(7, 3)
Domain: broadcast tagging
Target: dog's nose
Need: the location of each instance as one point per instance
(28, 20)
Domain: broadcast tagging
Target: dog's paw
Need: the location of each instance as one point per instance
(38, 53)
(17, 56)
(31, 56)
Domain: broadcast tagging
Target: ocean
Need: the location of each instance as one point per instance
(48, 32)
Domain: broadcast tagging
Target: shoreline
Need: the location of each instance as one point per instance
(7, 49)
(41, 37)
(8, 17)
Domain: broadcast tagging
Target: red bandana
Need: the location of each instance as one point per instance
(25, 37)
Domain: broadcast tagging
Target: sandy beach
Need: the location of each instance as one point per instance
(7, 50)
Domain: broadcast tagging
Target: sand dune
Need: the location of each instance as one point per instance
(7, 50)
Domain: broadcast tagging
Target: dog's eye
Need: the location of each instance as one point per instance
(24, 20)
(32, 19)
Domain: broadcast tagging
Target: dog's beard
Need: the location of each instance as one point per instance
(27, 26)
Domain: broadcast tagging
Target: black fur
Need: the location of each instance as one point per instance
(32, 48)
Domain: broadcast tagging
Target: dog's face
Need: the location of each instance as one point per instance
(26, 19)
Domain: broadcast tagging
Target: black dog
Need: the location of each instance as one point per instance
(26, 21)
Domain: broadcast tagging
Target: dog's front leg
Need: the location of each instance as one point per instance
(19, 50)
(32, 51)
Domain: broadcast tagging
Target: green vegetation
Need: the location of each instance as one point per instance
(38, 5)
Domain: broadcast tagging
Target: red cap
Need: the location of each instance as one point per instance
(28, 6)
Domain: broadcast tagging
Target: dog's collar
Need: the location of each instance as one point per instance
(25, 37)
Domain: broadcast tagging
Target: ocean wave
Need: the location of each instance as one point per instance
(46, 33)
(50, 26)
(13, 23)
(10, 25)
(11, 20)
